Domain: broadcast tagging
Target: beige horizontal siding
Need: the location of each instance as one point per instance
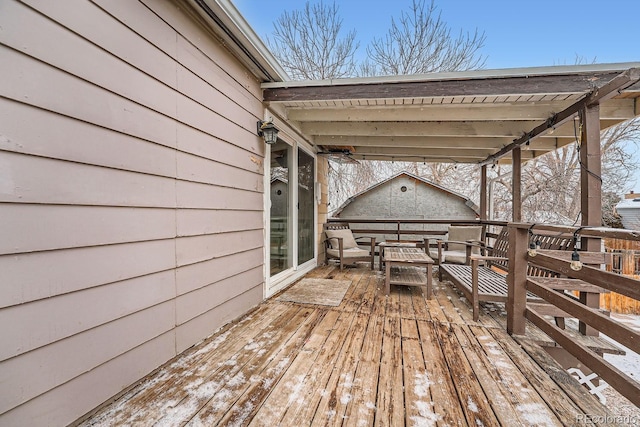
(30, 179)
(50, 366)
(191, 331)
(198, 302)
(33, 276)
(191, 222)
(31, 228)
(195, 276)
(202, 196)
(91, 307)
(93, 387)
(131, 196)
(201, 248)
(78, 141)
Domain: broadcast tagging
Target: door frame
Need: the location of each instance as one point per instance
(279, 281)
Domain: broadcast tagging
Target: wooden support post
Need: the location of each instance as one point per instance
(591, 190)
(516, 182)
(483, 193)
(516, 280)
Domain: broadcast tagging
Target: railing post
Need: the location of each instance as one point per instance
(591, 192)
(398, 228)
(516, 280)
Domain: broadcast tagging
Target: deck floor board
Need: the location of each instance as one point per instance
(374, 360)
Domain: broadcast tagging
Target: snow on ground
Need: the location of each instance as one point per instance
(629, 364)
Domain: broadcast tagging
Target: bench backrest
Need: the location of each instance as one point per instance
(501, 249)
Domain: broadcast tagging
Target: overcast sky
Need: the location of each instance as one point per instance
(519, 33)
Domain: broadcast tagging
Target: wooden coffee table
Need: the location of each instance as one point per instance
(404, 267)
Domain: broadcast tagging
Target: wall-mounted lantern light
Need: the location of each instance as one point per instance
(268, 131)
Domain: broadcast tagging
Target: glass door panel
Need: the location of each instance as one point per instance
(306, 204)
(281, 242)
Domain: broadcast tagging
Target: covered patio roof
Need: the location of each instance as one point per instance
(459, 117)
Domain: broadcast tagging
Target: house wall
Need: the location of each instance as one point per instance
(131, 198)
(419, 201)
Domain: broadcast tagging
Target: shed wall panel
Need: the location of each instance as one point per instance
(419, 201)
(131, 193)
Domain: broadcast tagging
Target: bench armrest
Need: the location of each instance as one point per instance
(488, 258)
(371, 239)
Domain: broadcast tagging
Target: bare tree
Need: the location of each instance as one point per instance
(309, 44)
(420, 42)
(551, 183)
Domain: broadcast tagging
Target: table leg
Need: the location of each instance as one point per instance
(429, 281)
(387, 278)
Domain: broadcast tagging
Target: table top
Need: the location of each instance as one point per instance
(398, 244)
(406, 255)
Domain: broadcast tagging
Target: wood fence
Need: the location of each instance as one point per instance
(625, 261)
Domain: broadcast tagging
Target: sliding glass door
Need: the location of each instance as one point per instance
(292, 207)
(306, 206)
(281, 212)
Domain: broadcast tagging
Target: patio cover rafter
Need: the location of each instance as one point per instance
(613, 87)
(453, 117)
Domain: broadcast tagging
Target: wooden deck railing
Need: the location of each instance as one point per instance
(519, 283)
(402, 229)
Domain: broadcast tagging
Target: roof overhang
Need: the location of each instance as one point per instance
(460, 117)
(222, 17)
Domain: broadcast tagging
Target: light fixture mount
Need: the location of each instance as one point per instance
(268, 131)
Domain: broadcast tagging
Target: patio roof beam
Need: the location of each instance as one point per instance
(599, 94)
(461, 129)
(415, 158)
(621, 109)
(481, 143)
(431, 152)
(529, 84)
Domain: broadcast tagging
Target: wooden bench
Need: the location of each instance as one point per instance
(488, 282)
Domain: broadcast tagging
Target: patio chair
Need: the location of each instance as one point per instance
(342, 246)
(461, 242)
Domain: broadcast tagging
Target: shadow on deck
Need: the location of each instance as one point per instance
(372, 360)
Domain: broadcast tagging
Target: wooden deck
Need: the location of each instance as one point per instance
(373, 360)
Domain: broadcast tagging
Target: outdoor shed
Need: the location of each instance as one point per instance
(407, 196)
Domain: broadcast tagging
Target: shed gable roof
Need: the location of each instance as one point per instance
(417, 178)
